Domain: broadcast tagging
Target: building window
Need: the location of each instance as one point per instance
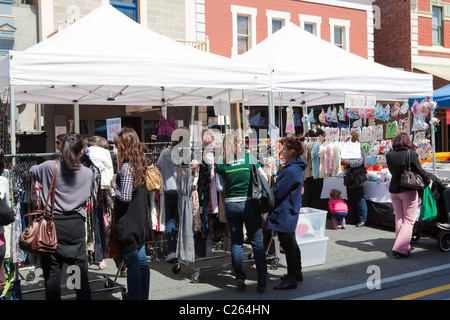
(311, 24)
(244, 29)
(243, 34)
(127, 7)
(277, 25)
(340, 33)
(276, 20)
(437, 25)
(339, 37)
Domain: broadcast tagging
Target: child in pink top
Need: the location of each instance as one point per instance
(338, 208)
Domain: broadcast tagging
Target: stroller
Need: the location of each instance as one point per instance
(439, 228)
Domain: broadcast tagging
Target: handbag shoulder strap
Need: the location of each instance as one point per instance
(52, 189)
(408, 161)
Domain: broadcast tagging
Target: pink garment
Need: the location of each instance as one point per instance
(2, 239)
(337, 205)
(329, 166)
(405, 208)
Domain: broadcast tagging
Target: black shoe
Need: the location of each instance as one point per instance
(400, 255)
(298, 278)
(286, 285)
(360, 224)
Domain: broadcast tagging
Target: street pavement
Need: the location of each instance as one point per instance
(358, 265)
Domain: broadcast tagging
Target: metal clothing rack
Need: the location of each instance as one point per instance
(109, 284)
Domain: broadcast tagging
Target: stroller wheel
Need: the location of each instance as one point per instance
(444, 241)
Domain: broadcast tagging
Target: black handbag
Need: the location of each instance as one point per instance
(262, 193)
(355, 177)
(409, 179)
(6, 213)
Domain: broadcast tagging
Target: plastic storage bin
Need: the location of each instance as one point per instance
(311, 224)
(313, 251)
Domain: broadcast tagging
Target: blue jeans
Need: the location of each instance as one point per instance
(238, 213)
(357, 203)
(171, 212)
(138, 274)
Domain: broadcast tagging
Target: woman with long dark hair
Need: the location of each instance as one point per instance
(73, 188)
(404, 200)
(130, 212)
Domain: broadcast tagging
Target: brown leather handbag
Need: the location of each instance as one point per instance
(39, 237)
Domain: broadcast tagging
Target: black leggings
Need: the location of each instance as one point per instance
(71, 250)
(292, 251)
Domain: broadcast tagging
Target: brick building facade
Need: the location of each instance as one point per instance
(348, 24)
(414, 35)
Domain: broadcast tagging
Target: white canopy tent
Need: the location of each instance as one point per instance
(308, 69)
(106, 58)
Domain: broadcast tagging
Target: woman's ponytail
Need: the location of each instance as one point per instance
(70, 151)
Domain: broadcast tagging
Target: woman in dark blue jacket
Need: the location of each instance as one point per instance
(288, 199)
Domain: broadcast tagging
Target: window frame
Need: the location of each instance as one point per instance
(345, 25)
(243, 11)
(440, 26)
(122, 7)
(271, 15)
(315, 21)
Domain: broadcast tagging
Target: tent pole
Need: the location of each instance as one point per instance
(12, 112)
(39, 115)
(76, 117)
(433, 138)
(271, 109)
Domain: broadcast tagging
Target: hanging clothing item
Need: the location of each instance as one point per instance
(290, 126)
(185, 243)
(166, 127)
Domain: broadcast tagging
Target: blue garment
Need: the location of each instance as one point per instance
(288, 197)
(238, 213)
(315, 161)
(138, 274)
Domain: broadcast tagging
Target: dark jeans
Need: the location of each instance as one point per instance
(171, 212)
(357, 206)
(293, 255)
(138, 274)
(71, 250)
(238, 213)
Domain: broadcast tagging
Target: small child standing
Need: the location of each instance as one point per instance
(338, 208)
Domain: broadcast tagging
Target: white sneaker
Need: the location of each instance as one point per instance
(171, 256)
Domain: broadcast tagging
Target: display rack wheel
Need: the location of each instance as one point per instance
(444, 241)
(251, 256)
(176, 268)
(109, 283)
(195, 277)
(274, 264)
(31, 276)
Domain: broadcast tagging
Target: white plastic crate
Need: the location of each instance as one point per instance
(313, 252)
(311, 224)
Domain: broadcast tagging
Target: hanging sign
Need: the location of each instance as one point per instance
(365, 101)
(351, 150)
(113, 126)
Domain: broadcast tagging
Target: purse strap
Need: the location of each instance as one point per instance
(52, 189)
(408, 160)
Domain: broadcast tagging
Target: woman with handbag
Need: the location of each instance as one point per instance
(73, 188)
(130, 212)
(234, 170)
(404, 199)
(288, 200)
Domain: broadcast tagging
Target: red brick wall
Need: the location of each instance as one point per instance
(393, 39)
(219, 21)
(425, 34)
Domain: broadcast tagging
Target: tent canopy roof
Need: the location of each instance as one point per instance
(302, 62)
(107, 58)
